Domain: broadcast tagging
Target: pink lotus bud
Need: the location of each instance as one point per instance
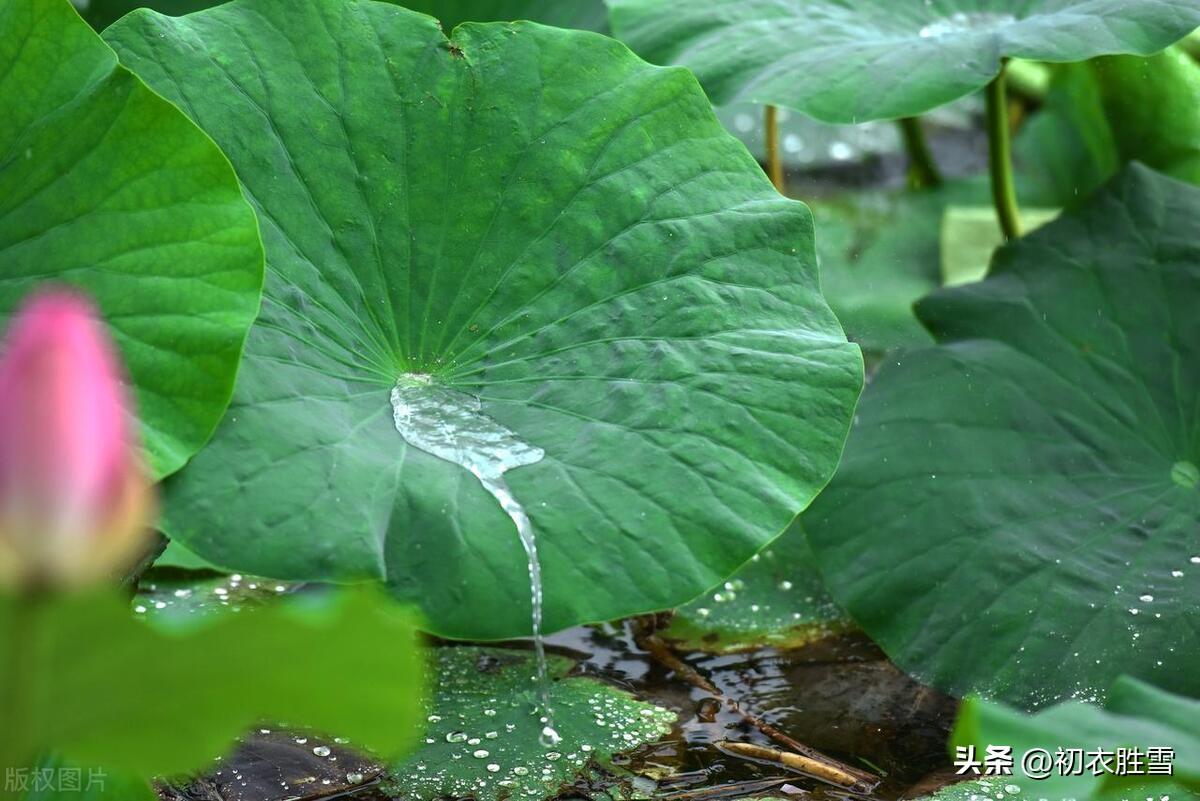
(74, 499)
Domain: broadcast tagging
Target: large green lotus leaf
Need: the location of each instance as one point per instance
(585, 15)
(1017, 511)
(858, 60)
(537, 219)
(107, 187)
(588, 15)
(484, 734)
(151, 698)
(1108, 111)
(102, 13)
(1137, 715)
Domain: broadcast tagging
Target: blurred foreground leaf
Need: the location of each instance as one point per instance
(1137, 715)
(103, 688)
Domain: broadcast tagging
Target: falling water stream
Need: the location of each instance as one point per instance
(451, 425)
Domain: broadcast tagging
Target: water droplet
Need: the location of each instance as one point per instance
(1185, 474)
(451, 425)
(1146, 598)
(354, 778)
(480, 754)
(456, 737)
(321, 750)
(493, 767)
(785, 585)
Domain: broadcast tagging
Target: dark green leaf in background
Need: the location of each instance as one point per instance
(536, 218)
(1018, 510)
(1107, 111)
(107, 187)
(859, 60)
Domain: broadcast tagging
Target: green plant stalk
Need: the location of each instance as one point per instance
(771, 134)
(923, 171)
(1004, 195)
(16, 691)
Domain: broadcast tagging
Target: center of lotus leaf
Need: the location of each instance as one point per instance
(451, 425)
(1185, 474)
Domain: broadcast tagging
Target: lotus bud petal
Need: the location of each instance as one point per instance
(74, 497)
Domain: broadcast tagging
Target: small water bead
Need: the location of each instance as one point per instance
(434, 718)
(354, 778)
(1146, 598)
(491, 713)
(550, 737)
(480, 754)
(456, 737)
(493, 767)
(492, 735)
(473, 741)
(1177, 574)
(1195, 560)
(321, 750)
(553, 755)
(520, 770)
(785, 585)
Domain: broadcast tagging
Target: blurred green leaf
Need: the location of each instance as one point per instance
(1137, 715)
(970, 234)
(1108, 111)
(102, 688)
(859, 60)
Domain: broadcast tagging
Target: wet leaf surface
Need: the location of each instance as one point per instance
(634, 309)
(484, 735)
(270, 765)
(179, 597)
(1018, 506)
(777, 599)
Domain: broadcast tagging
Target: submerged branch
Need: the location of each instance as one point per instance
(821, 766)
(803, 763)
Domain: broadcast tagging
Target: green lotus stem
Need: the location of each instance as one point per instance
(771, 132)
(16, 689)
(923, 171)
(1004, 194)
